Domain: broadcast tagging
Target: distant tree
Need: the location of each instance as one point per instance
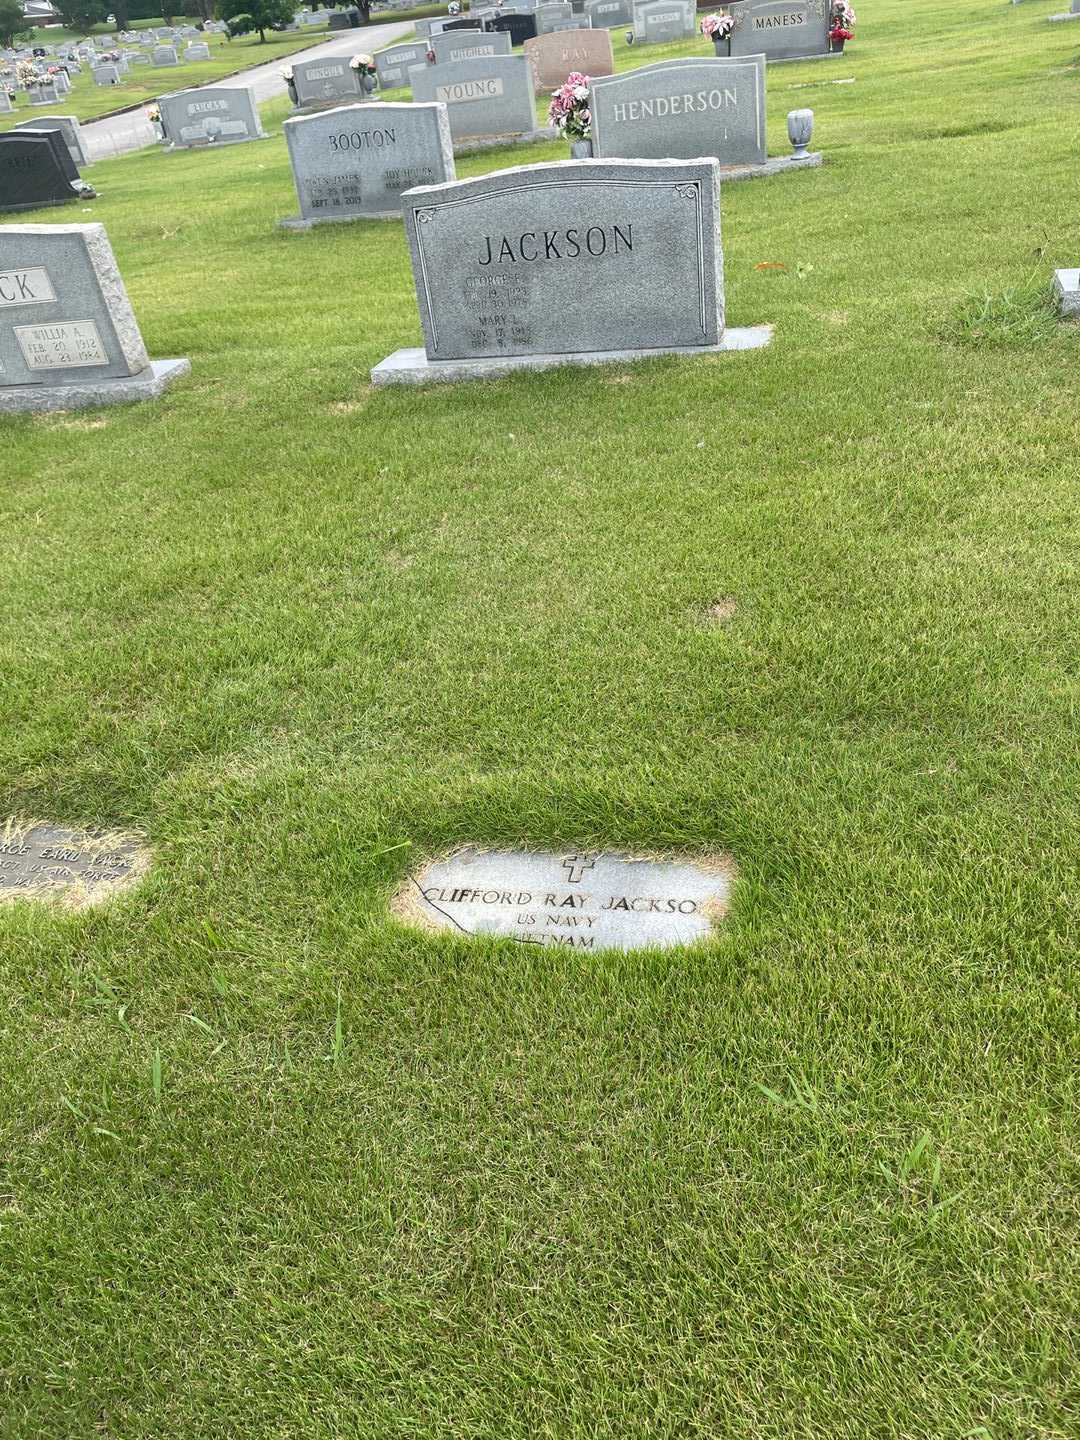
(82, 15)
(12, 21)
(261, 15)
(119, 8)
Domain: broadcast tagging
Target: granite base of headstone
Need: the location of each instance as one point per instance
(579, 262)
(354, 163)
(68, 335)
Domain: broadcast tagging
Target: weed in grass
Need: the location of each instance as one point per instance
(1016, 318)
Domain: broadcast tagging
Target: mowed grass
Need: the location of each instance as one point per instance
(275, 1166)
(86, 100)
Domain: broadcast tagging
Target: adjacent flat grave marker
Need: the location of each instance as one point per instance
(68, 336)
(576, 262)
(70, 867)
(554, 56)
(579, 901)
(487, 98)
(354, 162)
(213, 114)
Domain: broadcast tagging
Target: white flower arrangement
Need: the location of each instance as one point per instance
(363, 64)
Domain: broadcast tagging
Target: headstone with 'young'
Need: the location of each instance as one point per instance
(488, 98)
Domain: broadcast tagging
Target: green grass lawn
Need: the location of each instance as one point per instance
(86, 100)
(274, 1166)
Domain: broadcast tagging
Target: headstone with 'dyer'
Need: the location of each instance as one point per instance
(353, 163)
(575, 262)
(393, 64)
(68, 336)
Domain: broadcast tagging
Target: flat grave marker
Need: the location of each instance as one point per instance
(69, 867)
(581, 900)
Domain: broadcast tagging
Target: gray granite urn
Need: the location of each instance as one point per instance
(800, 127)
(580, 149)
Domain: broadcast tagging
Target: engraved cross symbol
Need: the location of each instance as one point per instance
(575, 867)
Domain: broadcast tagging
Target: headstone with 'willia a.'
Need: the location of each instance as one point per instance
(68, 336)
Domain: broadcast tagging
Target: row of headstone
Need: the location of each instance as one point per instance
(68, 335)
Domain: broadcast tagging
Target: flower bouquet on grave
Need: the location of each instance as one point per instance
(363, 66)
(842, 24)
(153, 114)
(453, 8)
(569, 112)
(718, 28)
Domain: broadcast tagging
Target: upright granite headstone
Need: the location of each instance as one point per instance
(353, 163)
(68, 336)
(780, 29)
(106, 75)
(32, 175)
(609, 14)
(548, 16)
(658, 22)
(68, 126)
(62, 156)
(45, 93)
(212, 114)
(554, 57)
(393, 64)
(165, 55)
(199, 50)
(327, 81)
(6, 106)
(486, 98)
(680, 109)
(519, 27)
(573, 262)
(452, 46)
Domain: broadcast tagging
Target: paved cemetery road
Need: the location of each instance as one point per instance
(117, 134)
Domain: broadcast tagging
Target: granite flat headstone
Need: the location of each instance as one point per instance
(393, 64)
(210, 115)
(489, 97)
(355, 162)
(553, 57)
(681, 109)
(780, 29)
(68, 336)
(572, 262)
(73, 867)
(580, 900)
